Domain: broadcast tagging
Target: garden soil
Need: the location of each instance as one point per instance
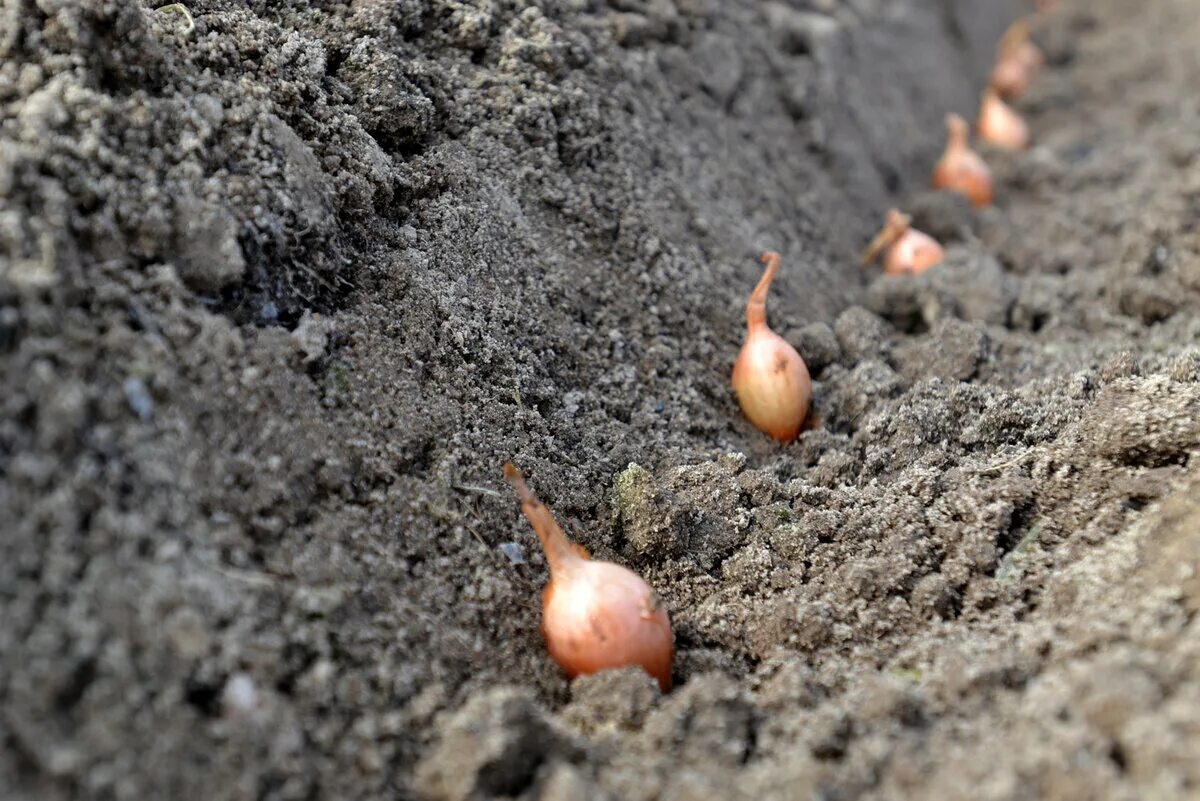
(284, 284)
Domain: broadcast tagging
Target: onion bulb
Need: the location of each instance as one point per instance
(1010, 78)
(1017, 61)
(771, 380)
(999, 125)
(961, 169)
(1017, 45)
(908, 251)
(595, 615)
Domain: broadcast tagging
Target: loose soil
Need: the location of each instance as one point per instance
(282, 291)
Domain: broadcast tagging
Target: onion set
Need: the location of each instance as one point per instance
(595, 615)
(999, 125)
(1018, 60)
(960, 168)
(906, 250)
(771, 380)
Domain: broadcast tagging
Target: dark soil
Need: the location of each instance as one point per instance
(280, 294)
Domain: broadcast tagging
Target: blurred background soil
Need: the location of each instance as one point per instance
(282, 289)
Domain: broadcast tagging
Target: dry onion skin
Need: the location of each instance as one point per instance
(772, 382)
(1018, 61)
(1017, 44)
(906, 251)
(1000, 125)
(960, 168)
(1010, 78)
(595, 615)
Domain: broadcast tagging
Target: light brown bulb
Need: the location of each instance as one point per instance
(1010, 78)
(595, 615)
(1018, 61)
(907, 251)
(1017, 44)
(960, 168)
(771, 380)
(1000, 125)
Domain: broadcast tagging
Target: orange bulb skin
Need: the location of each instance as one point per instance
(1011, 77)
(1029, 55)
(605, 616)
(772, 382)
(912, 254)
(1000, 126)
(968, 181)
(906, 250)
(773, 386)
(961, 169)
(595, 615)
(1018, 60)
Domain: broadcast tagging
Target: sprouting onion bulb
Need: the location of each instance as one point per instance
(1010, 78)
(1018, 60)
(1017, 44)
(906, 250)
(1000, 125)
(960, 168)
(771, 380)
(595, 615)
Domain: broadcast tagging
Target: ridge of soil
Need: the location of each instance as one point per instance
(279, 295)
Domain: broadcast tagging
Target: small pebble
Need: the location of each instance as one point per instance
(240, 696)
(513, 551)
(138, 397)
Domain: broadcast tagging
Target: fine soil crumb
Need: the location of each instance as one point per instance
(281, 291)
